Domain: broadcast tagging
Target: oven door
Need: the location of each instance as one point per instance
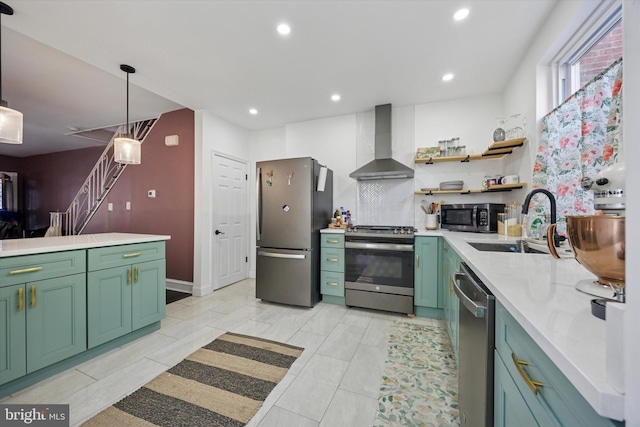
(384, 264)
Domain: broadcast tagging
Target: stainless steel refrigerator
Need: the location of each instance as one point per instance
(294, 201)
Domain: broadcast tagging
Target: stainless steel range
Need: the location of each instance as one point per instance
(379, 268)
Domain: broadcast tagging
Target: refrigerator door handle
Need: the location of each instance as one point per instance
(277, 255)
(258, 203)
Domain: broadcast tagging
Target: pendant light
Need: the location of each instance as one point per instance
(10, 120)
(126, 150)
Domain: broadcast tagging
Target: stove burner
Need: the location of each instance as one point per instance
(381, 229)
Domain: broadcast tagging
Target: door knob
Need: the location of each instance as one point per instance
(219, 232)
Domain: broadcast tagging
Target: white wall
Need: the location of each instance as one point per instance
(212, 134)
(473, 120)
(631, 134)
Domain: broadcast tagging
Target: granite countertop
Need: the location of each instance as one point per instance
(539, 292)
(39, 245)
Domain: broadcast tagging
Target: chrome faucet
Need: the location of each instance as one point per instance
(525, 209)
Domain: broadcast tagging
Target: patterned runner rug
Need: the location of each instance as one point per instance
(222, 384)
(420, 382)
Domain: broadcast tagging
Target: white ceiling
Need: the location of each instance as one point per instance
(60, 59)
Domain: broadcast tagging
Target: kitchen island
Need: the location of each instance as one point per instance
(539, 292)
(67, 299)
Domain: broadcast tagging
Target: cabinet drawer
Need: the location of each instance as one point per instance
(331, 240)
(332, 283)
(31, 268)
(332, 260)
(557, 395)
(116, 256)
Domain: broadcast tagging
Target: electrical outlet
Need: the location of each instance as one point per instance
(110, 207)
(151, 194)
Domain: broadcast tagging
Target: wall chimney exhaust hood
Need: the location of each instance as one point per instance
(383, 166)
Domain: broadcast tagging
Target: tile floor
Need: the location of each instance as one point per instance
(335, 381)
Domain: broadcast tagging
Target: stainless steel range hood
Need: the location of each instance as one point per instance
(383, 166)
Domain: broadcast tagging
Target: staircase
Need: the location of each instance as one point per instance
(100, 181)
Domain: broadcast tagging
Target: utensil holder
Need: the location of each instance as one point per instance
(432, 222)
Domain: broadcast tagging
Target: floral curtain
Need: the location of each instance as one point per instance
(578, 139)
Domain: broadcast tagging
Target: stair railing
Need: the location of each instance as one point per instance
(100, 181)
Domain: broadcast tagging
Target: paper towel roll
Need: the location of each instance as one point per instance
(322, 178)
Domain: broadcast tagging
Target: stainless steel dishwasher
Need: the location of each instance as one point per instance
(475, 349)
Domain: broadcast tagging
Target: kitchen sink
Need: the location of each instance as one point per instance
(519, 246)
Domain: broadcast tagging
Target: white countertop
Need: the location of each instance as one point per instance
(539, 292)
(39, 245)
(332, 231)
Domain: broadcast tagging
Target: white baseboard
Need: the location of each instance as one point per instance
(179, 285)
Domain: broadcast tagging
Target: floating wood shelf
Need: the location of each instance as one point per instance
(497, 150)
(493, 189)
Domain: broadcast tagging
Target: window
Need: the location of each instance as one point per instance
(592, 53)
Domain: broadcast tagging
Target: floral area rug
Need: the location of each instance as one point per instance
(420, 382)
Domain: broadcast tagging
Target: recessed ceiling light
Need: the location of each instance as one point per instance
(335, 97)
(447, 77)
(461, 14)
(284, 29)
(253, 111)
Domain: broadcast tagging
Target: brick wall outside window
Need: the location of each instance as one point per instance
(601, 55)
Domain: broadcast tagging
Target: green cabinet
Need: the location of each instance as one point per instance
(450, 264)
(125, 289)
(56, 320)
(13, 339)
(332, 267)
(528, 382)
(427, 281)
(43, 311)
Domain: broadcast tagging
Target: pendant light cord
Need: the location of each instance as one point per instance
(128, 130)
(4, 9)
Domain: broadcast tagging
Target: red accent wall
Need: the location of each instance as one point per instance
(49, 182)
(170, 172)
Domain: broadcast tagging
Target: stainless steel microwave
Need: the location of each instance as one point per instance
(474, 217)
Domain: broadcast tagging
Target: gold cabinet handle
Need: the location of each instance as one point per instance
(20, 299)
(26, 270)
(129, 276)
(533, 385)
(332, 241)
(417, 260)
(332, 259)
(136, 275)
(132, 255)
(33, 296)
(332, 284)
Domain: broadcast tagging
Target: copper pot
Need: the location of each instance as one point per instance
(598, 244)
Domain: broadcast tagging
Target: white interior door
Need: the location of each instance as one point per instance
(230, 221)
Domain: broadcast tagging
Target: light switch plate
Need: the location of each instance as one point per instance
(127, 206)
(151, 194)
(110, 207)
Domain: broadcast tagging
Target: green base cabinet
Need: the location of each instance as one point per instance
(43, 311)
(13, 328)
(56, 320)
(332, 267)
(427, 288)
(450, 264)
(528, 382)
(123, 296)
